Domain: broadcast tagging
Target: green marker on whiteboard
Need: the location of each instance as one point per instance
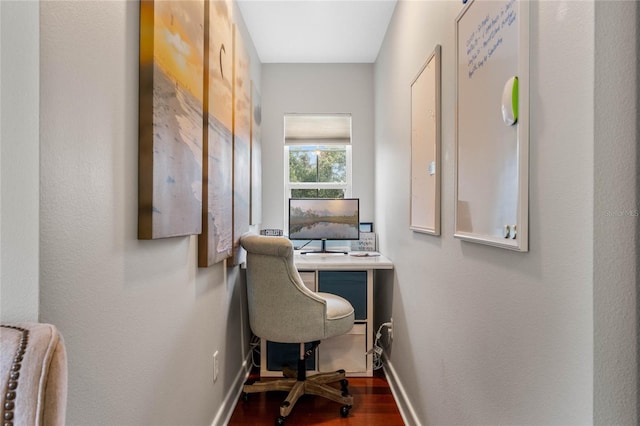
(510, 102)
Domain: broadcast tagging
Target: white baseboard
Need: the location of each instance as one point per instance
(231, 399)
(400, 395)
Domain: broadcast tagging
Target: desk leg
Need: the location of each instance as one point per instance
(370, 330)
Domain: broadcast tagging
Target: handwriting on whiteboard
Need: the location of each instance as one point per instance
(486, 38)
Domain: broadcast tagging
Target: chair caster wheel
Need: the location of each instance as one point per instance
(280, 420)
(344, 410)
(245, 396)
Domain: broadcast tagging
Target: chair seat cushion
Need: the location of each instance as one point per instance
(340, 315)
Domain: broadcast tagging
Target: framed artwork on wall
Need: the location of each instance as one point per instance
(256, 157)
(215, 241)
(241, 147)
(425, 147)
(170, 118)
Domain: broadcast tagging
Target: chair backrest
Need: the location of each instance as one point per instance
(281, 308)
(33, 367)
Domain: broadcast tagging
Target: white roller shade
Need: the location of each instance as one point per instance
(317, 129)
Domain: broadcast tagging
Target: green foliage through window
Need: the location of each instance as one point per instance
(313, 163)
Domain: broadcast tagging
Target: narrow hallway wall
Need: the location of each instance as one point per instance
(498, 337)
(141, 321)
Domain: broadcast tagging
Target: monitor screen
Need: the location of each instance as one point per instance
(324, 219)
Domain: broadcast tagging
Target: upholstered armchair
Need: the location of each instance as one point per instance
(282, 309)
(33, 375)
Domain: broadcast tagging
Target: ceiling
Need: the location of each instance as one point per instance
(317, 31)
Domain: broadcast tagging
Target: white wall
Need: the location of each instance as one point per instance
(19, 161)
(616, 212)
(498, 337)
(316, 88)
(140, 320)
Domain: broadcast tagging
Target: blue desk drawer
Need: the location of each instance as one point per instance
(352, 285)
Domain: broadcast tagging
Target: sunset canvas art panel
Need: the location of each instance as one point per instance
(170, 118)
(215, 241)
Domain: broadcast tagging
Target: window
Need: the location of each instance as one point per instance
(317, 151)
(317, 156)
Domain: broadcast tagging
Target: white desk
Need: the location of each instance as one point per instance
(351, 277)
(340, 262)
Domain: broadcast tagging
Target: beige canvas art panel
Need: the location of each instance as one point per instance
(256, 157)
(241, 147)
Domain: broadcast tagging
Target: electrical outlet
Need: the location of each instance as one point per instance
(391, 329)
(216, 366)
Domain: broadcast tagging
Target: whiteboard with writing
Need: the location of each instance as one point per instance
(492, 46)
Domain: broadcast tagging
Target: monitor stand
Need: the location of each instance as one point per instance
(323, 250)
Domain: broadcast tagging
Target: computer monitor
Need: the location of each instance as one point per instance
(324, 219)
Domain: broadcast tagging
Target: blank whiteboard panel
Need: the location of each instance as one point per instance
(492, 47)
(425, 147)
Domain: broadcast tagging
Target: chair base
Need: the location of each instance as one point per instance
(316, 384)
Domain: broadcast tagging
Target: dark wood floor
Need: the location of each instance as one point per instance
(373, 405)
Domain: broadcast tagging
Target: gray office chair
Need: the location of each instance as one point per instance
(282, 309)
